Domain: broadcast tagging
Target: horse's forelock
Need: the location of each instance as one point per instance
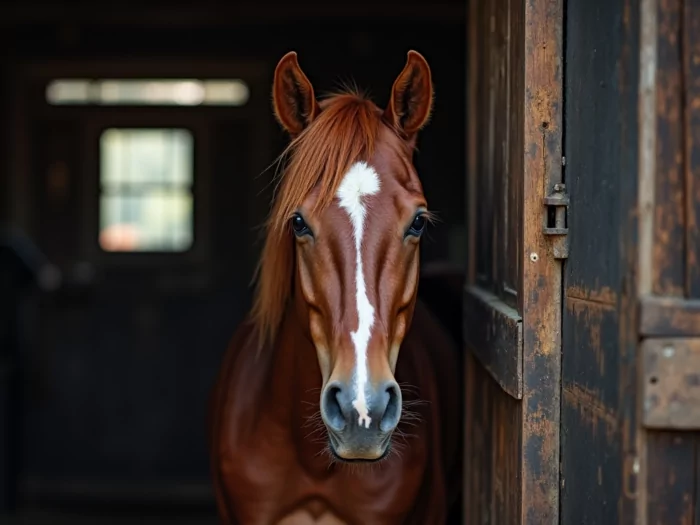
(345, 132)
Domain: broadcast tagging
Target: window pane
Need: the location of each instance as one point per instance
(136, 156)
(146, 202)
(147, 222)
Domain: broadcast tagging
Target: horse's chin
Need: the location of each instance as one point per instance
(347, 453)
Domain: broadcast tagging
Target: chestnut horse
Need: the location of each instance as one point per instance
(337, 399)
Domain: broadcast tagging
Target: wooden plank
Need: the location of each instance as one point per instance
(591, 451)
(670, 482)
(506, 421)
(541, 294)
(493, 494)
(692, 176)
(669, 217)
(484, 182)
(669, 317)
(493, 333)
(671, 383)
(630, 116)
(500, 144)
(691, 123)
(478, 443)
(514, 190)
(593, 98)
(591, 458)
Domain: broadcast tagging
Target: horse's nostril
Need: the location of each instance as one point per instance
(340, 414)
(392, 413)
(330, 408)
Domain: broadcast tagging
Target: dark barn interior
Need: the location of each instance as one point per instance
(108, 347)
(562, 161)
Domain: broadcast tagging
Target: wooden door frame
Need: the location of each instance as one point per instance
(520, 348)
(543, 171)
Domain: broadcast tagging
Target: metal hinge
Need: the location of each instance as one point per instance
(557, 204)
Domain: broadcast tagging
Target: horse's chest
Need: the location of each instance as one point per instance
(270, 486)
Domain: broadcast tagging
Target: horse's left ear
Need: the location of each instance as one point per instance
(411, 97)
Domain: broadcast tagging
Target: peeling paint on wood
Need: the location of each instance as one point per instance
(542, 280)
(591, 411)
(604, 295)
(599, 329)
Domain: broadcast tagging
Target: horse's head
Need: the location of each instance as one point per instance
(352, 210)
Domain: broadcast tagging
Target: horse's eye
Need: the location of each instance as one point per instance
(418, 225)
(299, 226)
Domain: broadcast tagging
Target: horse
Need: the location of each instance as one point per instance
(336, 400)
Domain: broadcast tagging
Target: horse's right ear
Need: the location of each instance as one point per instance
(293, 96)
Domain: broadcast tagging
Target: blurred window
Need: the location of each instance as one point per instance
(146, 190)
(149, 92)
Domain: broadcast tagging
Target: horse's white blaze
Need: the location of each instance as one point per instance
(359, 181)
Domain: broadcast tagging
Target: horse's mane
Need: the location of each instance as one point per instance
(343, 133)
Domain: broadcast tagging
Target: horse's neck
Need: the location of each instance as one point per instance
(296, 390)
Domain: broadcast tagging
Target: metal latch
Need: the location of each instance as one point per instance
(557, 203)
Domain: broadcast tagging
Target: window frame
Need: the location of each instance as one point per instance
(137, 118)
(188, 187)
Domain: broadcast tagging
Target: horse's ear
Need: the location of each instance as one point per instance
(293, 96)
(411, 97)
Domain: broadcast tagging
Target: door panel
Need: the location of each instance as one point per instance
(598, 99)
(518, 241)
(491, 297)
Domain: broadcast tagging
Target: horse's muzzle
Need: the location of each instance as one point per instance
(361, 433)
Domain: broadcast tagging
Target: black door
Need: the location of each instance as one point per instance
(149, 212)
